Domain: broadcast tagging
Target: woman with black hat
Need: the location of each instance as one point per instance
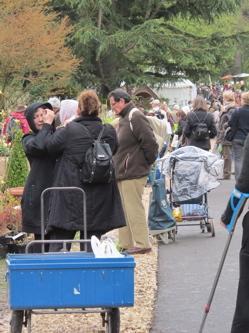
(40, 118)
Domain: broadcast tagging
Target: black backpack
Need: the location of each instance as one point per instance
(200, 131)
(228, 133)
(97, 166)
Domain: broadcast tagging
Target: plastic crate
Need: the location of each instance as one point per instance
(69, 280)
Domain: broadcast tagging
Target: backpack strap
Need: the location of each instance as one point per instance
(203, 120)
(196, 117)
(130, 117)
(101, 133)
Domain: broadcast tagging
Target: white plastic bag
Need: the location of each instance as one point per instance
(169, 129)
(175, 141)
(105, 248)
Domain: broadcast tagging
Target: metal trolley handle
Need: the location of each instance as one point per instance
(68, 188)
(53, 241)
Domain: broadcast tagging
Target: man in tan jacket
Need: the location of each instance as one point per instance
(137, 151)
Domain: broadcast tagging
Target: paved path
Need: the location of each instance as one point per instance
(186, 272)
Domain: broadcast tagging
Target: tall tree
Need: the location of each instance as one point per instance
(143, 41)
(241, 62)
(32, 47)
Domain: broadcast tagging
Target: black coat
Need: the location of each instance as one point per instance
(241, 320)
(104, 208)
(191, 124)
(40, 177)
(242, 183)
(239, 123)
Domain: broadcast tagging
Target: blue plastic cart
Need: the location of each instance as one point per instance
(68, 282)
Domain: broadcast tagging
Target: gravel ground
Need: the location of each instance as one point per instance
(136, 319)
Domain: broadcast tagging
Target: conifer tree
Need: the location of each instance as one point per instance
(149, 41)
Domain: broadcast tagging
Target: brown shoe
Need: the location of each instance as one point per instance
(138, 250)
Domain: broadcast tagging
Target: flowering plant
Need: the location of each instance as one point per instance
(10, 213)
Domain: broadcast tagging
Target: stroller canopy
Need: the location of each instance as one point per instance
(193, 172)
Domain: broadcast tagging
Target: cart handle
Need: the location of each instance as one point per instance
(68, 188)
(53, 241)
(236, 207)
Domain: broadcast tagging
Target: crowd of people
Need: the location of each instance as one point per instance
(223, 121)
(226, 120)
(58, 134)
(56, 137)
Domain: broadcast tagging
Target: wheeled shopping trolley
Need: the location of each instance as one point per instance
(161, 223)
(68, 282)
(192, 175)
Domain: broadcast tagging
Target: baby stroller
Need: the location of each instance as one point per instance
(161, 223)
(193, 172)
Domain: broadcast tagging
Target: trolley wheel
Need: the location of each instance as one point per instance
(210, 227)
(163, 237)
(202, 226)
(113, 321)
(16, 321)
(152, 239)
(28, 318)
(173, 235)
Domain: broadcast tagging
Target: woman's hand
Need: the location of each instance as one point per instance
(48, 116)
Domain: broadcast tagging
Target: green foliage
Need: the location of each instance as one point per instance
(4, 148)
(17, 166)
(107, 120)
(34, 57)
(144, 42)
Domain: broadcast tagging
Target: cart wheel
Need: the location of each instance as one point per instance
(16, 321)
(173, 235)
(28, 314)
(152, 239)
(210, 227)
(163, 237)
(202, 226)
(113, 321)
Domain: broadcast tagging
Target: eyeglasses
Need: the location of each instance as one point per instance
(114, 103)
